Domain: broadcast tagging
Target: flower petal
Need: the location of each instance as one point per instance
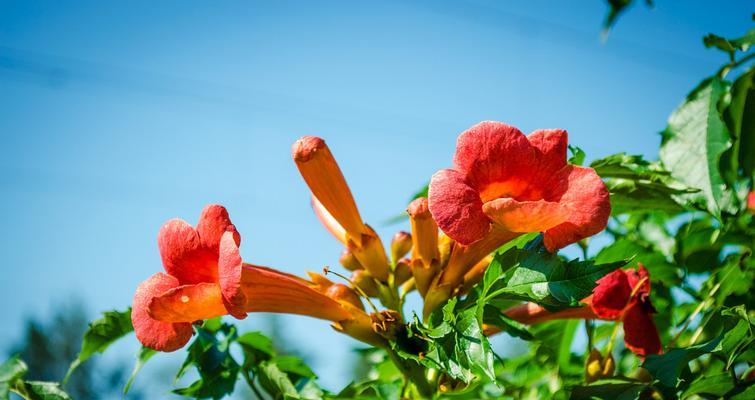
(640, 334)
(611, 295)
(584, 194)
(158, 335)
(634, 277)
(213, 223)
(268, 290)
(229, 276)
(188, 303)
(492, 153)
(183, 255)
(550, 147)
(457, 207)
(525, 216)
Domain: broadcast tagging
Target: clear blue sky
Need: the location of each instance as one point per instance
(116, 116)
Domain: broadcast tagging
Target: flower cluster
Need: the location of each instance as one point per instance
(503, 184)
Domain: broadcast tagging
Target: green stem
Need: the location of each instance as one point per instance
(413, 372)
(251, 384)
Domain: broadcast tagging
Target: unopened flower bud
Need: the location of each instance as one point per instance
(403, 271)
(598, 367)
(400, 245)
(363, 280)
(343, 293)
(349, 261)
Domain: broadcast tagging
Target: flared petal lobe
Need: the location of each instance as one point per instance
(183, 254)
(491, 153)
(581, 191)
(525, 216)
(213, 223)
(188, 303)
(457, 207)
(229, 275)
(640, 333)
(550, 147)
(611, 295)
(158, 335)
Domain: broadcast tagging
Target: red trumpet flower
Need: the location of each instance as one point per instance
(519, 183)
(206, 278)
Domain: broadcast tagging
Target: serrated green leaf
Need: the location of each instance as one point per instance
(10, 371)
(145, 353)
(692, 145)
(101, 334)
(257, 347)
(547, 280)
(495, 317)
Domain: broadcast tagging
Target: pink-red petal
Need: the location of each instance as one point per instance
(183, 254)
(493, 152)
(158, 335)
(611, 295)
(229, 275)
(188, 303)
(456, 207)
(525, 216)
(640, 334)
(584, 194)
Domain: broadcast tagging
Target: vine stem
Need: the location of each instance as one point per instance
(251, 384)
(413, 373)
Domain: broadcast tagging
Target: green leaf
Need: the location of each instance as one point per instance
(660, 269)
(145, 353)
(692, 145)
(10, 372)
(45, 390)
(636, 185)
(257, 347)
(619, 389)
(739, 115)
(578, 155)
(715, 385)
(730, 46)
(275, 381)
(667, 367)
(294, 366)
(210, 355)
(547, 280)
(102, 333)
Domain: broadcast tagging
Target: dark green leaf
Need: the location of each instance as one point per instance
(257, 347)
(145, 353)
(294, 366)
(493, 316)
(715, 385)
(578, 155)
(730, 46)
(102, 333)
(667, 367)
(739, 115)
(210, 355)
(693, 143)
(618, 389)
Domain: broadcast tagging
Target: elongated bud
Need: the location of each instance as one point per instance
(366, 282)
(349, 261)
(424, 232)
(329, 222)
(400, 245)
(343, 293)
(593, 368)
(403, 272)
(323, 176)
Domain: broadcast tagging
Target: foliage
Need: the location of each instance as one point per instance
(684, 216)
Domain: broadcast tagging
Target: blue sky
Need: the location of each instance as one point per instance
(116, 116)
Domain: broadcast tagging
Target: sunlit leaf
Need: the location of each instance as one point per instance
(101, 334)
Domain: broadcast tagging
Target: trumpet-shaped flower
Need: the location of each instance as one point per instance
(519, 183)
(207, 278)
